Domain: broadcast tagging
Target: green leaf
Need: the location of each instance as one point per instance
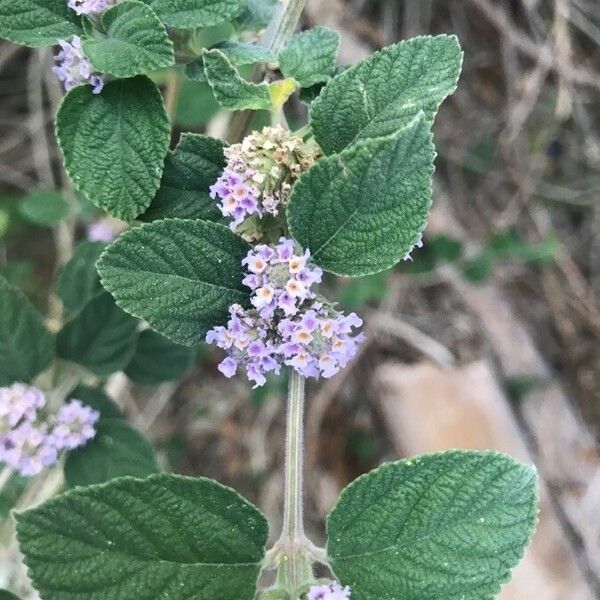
(26, 346)
(310, 56)
(158, 359)
(117, 450)
(135, 41)
(44, 207)
(257, 15)
(190, 170)
(183, 281)
(78, 281)
(163, 537)
(383, 93)
(98, 400)
(101, 337)
(442, 526)
(242, 53)
(37, 22)
(231, 90)
(4, 595)
(10, 493)
(114, 143)
(361, 211)
(189, 14)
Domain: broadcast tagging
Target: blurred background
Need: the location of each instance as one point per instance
(488, 338)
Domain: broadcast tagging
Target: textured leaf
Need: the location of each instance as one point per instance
(190, 170)
(257, 15)
(44, 207)
(158, 359)
(310, 56)
(163, 537)
(242, 53)
(114, 143)
(117, 450)
(98, 400)
(442, 526)
(361, 211)
(37, 22)
(4, 595)
(179, 275)
(101, 337)
(135, 41)
(231, 90)
(26, 346)
(189, 14)
(383, 93)
(78, 281)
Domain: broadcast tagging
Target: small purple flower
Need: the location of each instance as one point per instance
(333, 591)
(74, 426)
(19, 403)
(90, 7)
(73, 67)
(27, 449)
(104, 230)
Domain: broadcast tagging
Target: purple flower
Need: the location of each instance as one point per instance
(73, 68)
(333, 591)
(19, 403)
(288, 325)
(90, 7)
(103, 230)
(27, 449)
(74, 426)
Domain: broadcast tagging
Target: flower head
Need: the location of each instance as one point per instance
(332, 591)
(288, 324)
(73, 67)
(259, 175)
(105, 229)
(27, 449)
(90, 7)
(74, 426)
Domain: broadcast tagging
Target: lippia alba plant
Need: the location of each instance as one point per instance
(227, 244)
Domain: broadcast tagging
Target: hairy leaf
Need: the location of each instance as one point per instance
(361, 211)
(37, 22)
(163, 537)
(310, 56)
(190, 170)
(179, 275)
(158, 359)
(383, 93)
(189, 14)
(101, 337)
(114, 144)
(78, 282)
(117, 450)
(134, 42)
(443, 526)
(26, 346)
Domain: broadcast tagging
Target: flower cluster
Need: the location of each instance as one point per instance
(90, 7)
(74, 68)
(332, 591)
(260, 173)
(104, 229)
(28, 441)
(288, 324)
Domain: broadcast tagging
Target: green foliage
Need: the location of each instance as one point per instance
(356, 293)
(10, 493)
(185, 280)
(26, 346)
(37, 22)
(243, 53)
(443, 526)
(189, 171)
(98, 400)
(383, 93)
(189, 14)
(133, 42)
(196, 105)
(78, 282)
(114, 143)
(163, 537)
(101, 337)
(230, 89)
(117, 450)
(158, 359)
(361, 211)
(310, 56)
(4, 595)
(44, 207)
(256, 15)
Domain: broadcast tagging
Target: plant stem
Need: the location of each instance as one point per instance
(293, 525)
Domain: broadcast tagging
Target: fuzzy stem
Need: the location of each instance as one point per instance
(293, 526)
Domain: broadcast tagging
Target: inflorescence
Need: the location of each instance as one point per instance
(31, 440)
(288, 324)
(90, 7)
(332, 591)
(260, 173)
(74, 68)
